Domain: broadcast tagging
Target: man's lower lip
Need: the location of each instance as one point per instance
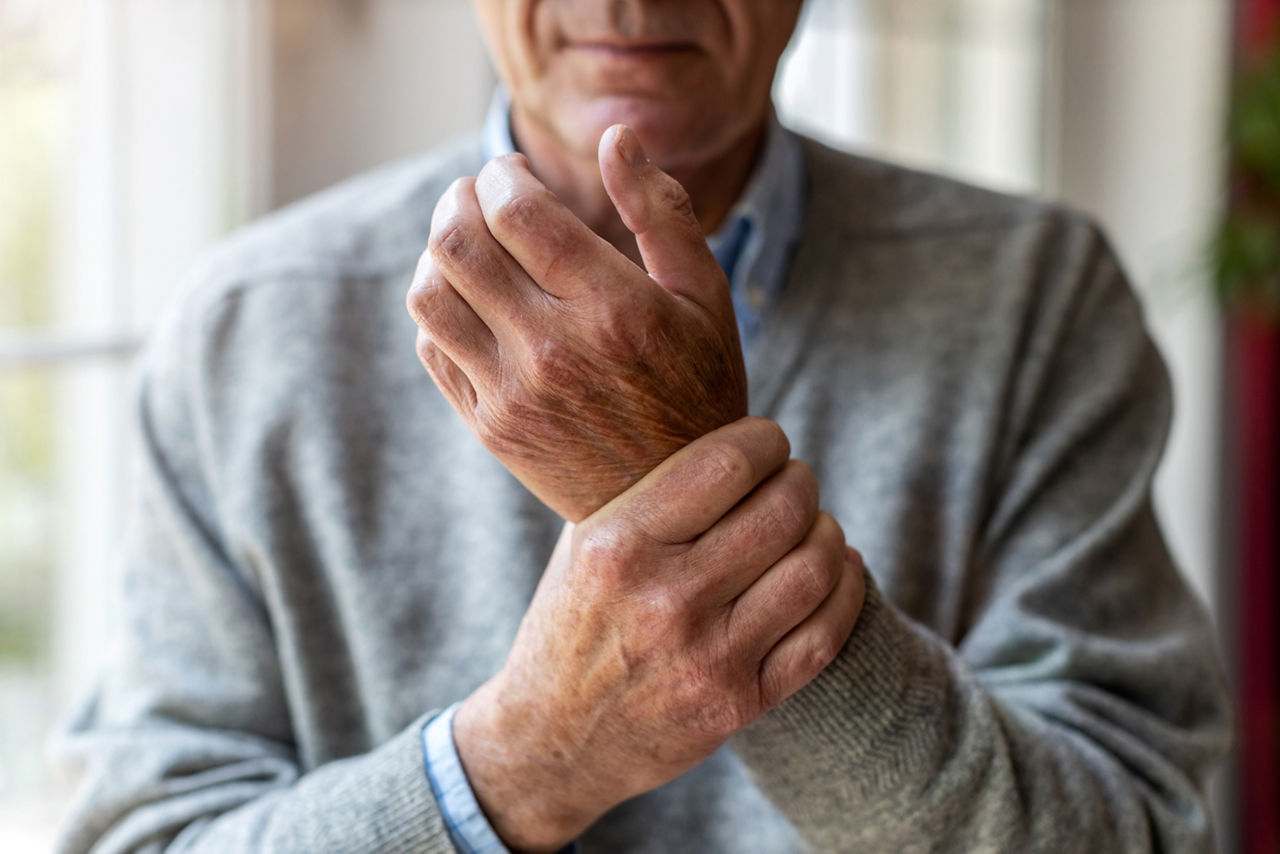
(635, 52)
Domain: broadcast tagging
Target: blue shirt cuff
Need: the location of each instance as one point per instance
(468, 828)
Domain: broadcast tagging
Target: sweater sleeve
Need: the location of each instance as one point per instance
(1082, 706)
(186, 743)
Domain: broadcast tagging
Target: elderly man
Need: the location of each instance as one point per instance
(572, 592)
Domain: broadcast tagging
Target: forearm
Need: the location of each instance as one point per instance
(898, 745)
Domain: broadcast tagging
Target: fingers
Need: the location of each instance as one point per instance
(450, 379)
(529, 234)
(808, 648)
(657, 210)
(791, 589)
(696, 486)
(475, 264)
(450, 324)
(755, 534)
(561, 254)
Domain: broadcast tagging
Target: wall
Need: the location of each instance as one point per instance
(359, 83)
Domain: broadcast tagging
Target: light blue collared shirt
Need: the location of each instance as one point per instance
(754, 247)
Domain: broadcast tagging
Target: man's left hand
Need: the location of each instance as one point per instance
(576, 368)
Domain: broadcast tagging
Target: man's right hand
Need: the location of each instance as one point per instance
(578, 369)
(677, 614)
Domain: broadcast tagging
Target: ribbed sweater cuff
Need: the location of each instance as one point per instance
(389, 797)
(871, 716)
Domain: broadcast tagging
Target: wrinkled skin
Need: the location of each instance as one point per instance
(571, 364)
(621, 680)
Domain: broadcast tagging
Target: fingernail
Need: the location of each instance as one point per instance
(629, 147)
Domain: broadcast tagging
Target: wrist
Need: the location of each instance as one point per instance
(520, 779)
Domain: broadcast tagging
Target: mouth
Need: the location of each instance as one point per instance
(633, 49)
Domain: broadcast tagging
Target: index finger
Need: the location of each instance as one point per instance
(696, 486)
(554, 247)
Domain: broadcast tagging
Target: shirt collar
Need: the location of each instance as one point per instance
(755, 243)
(496, 136)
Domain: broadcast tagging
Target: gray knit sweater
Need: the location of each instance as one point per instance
(321, 555)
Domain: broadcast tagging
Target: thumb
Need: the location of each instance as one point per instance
(657, 210)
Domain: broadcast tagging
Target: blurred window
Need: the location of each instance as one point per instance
(38, 42)
(104, 199)
(958, 86)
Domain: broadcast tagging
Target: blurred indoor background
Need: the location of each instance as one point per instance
(133, 133)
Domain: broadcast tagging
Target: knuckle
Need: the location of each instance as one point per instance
(518, 213)
(457, 187)
(710, 702)
(775, 433)
(803, 475)
(499, 425)
(801, 489)
(505, 164)
(426, 296)
(829, 533)
(665, 614)
(488, 424)
(425, 269)
(814, 577)
(676, 198)
(616, 331)
(455, 195)
(450, 222)
(550, 366)
(426, 349)
(629, 329)
(607, 549)
(768, 434)
(793, 506)
(727, 464)
(450, 241)
(826, 540)
(822, 648)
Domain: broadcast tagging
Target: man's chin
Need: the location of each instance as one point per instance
(672, 135)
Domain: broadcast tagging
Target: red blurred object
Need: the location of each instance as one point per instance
(1253, 363)
(1259, 24)
(1253, 459)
